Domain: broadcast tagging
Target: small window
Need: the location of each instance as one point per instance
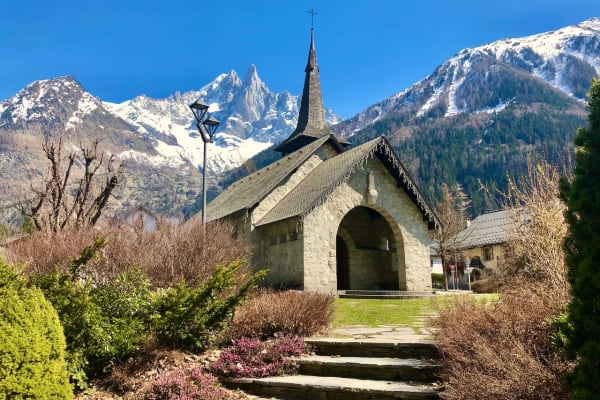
(282, 238)
(293, 236)
(273, 240)
(488, 253)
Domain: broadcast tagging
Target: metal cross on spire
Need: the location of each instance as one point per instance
(312, 13)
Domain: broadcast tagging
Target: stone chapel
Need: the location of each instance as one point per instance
(328, 217)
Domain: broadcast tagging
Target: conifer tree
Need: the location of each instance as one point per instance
(582, 196)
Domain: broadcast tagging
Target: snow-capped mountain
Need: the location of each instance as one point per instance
(471, 81)
(157, 138)
(62, 107)
(485, 113)
(252, 119)
(543, 77)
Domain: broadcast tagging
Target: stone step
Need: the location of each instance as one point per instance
(385, 292)
(385, 297)
(416, 348)
(333, 388)
(378, 368)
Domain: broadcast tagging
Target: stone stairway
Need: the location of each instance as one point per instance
(382, 294)
(379, 368)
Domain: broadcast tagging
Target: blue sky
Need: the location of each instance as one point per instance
(367, 50)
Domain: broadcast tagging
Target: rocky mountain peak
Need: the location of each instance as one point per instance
(254, 97)
(251, 77)
(48, 103)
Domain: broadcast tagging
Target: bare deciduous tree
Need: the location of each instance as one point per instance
(446, 239)
(539, 228)
(76, 188)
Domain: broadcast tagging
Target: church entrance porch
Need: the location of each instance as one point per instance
(366, 252)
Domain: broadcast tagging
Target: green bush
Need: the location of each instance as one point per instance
(104, 322)
(189, 318)
(107, 319)
(32, 344)
(126, 302)
(437, 281)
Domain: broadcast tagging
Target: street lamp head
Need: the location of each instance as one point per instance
(199, 109)
(211, 125)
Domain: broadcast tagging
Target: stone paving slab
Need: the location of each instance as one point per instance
(391, 339)
(377, 334)
(375, 361)
(341, 383)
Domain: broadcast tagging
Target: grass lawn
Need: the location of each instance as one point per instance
(375, 312)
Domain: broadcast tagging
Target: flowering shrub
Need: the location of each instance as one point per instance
(177, 385)
(252, 358)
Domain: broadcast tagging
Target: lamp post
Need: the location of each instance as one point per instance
(207, 126)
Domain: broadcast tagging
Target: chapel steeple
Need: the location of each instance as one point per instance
(312, 124)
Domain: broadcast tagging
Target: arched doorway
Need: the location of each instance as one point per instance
(366, 251)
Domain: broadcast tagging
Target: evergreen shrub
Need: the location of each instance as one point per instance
(103, 322)
(582, 332)
(189, 318)
(32, 344)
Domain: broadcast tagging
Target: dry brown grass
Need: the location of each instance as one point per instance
(268, 313)
(503, 350)
(167, 255)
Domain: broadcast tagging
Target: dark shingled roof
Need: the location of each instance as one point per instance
(328, 175)
(490, 228)
(246, 193)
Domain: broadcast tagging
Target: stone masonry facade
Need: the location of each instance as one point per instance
(301, 253)
(405, 219)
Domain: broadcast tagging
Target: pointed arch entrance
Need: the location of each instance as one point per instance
(369, 251)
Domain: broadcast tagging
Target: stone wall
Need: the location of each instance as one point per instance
(370, 270)
(302, 254)
(279, 248)
(320, 228)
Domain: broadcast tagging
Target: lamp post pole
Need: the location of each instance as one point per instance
(207, 126)
(204, 184)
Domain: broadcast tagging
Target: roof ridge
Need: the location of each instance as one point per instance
(364, 151)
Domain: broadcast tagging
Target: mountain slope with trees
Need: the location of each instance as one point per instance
(480, 115)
